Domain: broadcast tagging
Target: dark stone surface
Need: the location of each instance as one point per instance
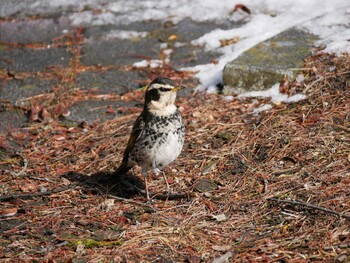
(91, 111)
(33, 31)
(118, 52)
(33, 60)
(52, 8)
(118, 82)
(11, 120)
(15, 90)
(10, 8)
(188, 30)
(128, 51)
(189, 56)
(96, 32)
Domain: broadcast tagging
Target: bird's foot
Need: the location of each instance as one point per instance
(167, 192)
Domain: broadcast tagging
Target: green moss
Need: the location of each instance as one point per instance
(267, 63)
(91, 243)
(3, 47)
(28, 87)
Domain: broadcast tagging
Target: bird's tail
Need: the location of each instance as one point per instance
(123, 168)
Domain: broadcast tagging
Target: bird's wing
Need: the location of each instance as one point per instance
(136, 132)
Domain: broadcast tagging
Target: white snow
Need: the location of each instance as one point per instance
(125, 34)
(317, 17)
(329, 19)
(274, 93)
(228, 98)
(300, 79)
(141, 64)
(155, 63)
(262, 108)
(152, 63)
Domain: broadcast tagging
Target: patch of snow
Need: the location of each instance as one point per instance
(275, 95)
(333, 28)
(124, 34)
(152, 63)
(168, 51)
(300, 79)
(262, 108)
(263, 26)
(228, 98)
(155, 63)
(141, 64)
(329, 19)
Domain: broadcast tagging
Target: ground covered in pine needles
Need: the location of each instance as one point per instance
(267, 187)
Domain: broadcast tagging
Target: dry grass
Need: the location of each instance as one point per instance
(292, 152)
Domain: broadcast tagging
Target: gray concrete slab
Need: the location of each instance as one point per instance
(188, 30)
(16, 90)
(119, 52)
(188, 56)
(33, 30)
(11, 120)
(33, 60)
(91, 111)
(108, 82)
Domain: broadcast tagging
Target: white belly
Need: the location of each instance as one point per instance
(164, 153)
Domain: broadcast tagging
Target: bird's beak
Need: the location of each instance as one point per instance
(178, 88)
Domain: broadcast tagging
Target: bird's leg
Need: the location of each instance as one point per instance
(144, 173)
(166, 182)
(157, 171)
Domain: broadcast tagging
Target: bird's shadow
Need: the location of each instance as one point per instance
(125, 186)
(102, 183)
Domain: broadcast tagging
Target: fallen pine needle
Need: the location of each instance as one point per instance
(320, 208)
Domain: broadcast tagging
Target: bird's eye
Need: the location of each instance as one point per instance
(164, 89)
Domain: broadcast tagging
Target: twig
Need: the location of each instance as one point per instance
(287, 171)
(326, 210)
(24, 169)
(341, 246)
(41, 179)
(266, 184)
(341, 127)
(10, 197)
(133, 202)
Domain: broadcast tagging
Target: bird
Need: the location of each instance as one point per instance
(158, 133)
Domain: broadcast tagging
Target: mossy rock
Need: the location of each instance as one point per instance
(268, 62)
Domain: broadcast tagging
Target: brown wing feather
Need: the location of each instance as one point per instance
(137, 129)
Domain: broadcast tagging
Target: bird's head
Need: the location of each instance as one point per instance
(160, 96)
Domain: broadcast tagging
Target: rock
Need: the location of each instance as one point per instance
(205, 185)
(342, 258)
(224, 258)
(267, 63)
(220, 217)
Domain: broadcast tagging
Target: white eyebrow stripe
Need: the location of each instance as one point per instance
(158, 86)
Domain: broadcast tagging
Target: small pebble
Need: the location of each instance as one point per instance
(42, 189)
(342, 258)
